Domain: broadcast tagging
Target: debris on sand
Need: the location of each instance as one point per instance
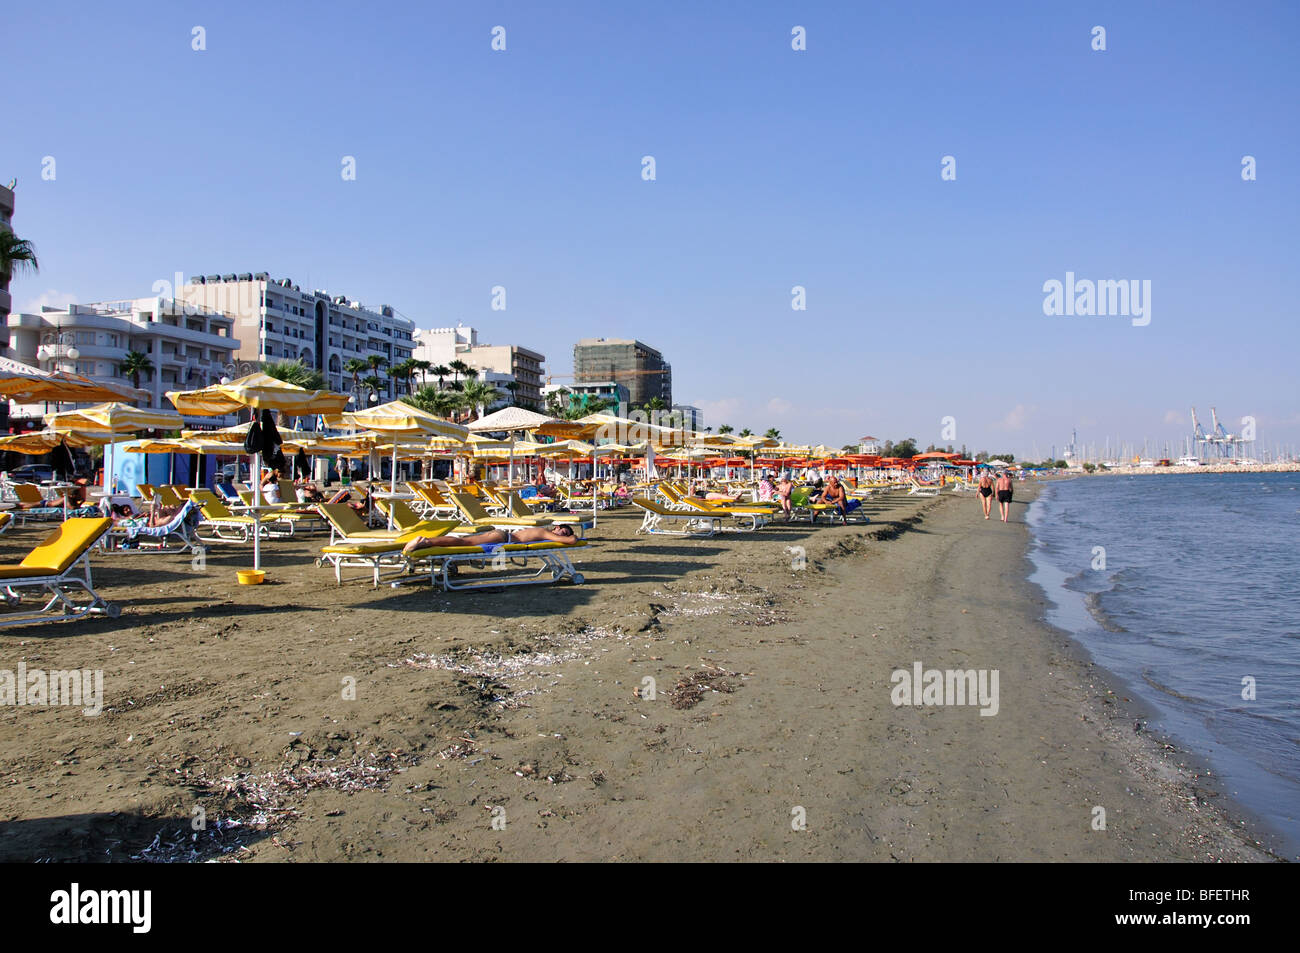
(691, 688)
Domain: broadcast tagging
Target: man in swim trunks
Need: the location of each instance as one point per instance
(1004, 494)
(834, 494)
(986, 493)
(554, 534)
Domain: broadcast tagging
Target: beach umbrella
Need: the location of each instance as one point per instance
(115, 419)
(515, 420)
(259, 392)
(399, 421)
(27, 384)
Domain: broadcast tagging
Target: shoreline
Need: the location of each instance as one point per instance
(1197, 767)
(528, 707)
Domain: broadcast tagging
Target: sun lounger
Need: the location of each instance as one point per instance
(132, 533)
(502, 562)
(659, 518)
(380, 554)
(127, 534)
(383, 556)
(32, 504)
(60, 563)
(474, 513)
(222, 526)
(432, 502)
(6, 520)
(347, 526)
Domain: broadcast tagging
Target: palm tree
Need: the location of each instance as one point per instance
(16, 254)
(405, 370)
(655, 403)
(296, 373)
(372, 384)
(458, 367)
(136, 363)
(440, 371)
(513, 387)
(440, 403)
(773, 434)
(726, 428)
(479, 394)
(356, 367)
(423, 368)
(746, 433)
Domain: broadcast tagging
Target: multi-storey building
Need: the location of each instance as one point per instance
(500, 364)
(278, 321)
(6, 224)
(6, 303)
(189, 347)
(639, 366)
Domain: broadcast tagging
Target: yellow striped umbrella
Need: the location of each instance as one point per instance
(259, 392)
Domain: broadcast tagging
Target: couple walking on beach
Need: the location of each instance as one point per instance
(1003, 487)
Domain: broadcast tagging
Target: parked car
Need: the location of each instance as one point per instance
(234, 472)
(32, 473)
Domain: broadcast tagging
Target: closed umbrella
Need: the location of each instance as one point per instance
(261, 392)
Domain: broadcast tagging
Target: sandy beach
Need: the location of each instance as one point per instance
(514, 725)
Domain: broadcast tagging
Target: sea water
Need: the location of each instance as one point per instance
(1185, 586)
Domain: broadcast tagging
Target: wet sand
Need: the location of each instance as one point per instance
(514, 724)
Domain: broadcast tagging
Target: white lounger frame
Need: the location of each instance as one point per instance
(76, 576)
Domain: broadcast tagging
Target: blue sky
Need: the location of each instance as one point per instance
(775, 168)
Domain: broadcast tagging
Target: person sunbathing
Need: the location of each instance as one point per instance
(783, 491)
(554, 534)
(158, 516)
(834, 495)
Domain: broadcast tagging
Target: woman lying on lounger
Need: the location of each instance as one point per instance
(555, 534)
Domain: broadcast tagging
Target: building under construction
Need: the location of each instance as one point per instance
(637, 366)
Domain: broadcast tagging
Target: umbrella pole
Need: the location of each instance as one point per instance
(257, 501)
(392, 487)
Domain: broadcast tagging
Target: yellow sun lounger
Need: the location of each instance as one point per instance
(6, 520)
(432, 502)
(658, 518)
(473, 512)
(381, 555)
(227, 527)
(385, 558)
(61, 562)
(346, 526)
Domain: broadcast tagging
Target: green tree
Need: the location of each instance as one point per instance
(905, 449)
(458, 367)
(16, 255)
(356, 367)
(296, 373)
(440, 371)
(423, 368)
(405, 370)
(773, 434)
(478, 395)
(134, 364)
(746, 433)
(434, 400)
(373, 384)
(726, 428)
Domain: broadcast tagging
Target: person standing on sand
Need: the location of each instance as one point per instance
(986, 493)
(1004, 494)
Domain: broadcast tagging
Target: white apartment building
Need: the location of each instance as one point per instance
(6, 222)
(189, 347)
(500, 364)
(278, 321)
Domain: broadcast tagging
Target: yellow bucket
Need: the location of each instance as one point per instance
(251, 577)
